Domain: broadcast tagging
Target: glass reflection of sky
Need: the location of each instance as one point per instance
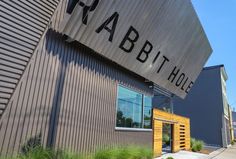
(147, 111)
(131, 103)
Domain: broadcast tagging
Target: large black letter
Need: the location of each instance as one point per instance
(114, 17)
(189, 87)
(180, 79)
(173, 73)
(86, 9)
(157, 55)
(182, 88)
(163, 62)
(144, 52)
(127, 38)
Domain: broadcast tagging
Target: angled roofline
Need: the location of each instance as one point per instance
(213, 67)
(222, 67)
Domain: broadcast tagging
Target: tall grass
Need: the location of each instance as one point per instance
(124, 152)
(196, 145)
(119, 152)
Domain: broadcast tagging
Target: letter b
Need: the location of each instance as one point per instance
(144, 51)
(128, 38)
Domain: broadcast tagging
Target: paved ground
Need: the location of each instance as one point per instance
(184, 155)
(229, 153)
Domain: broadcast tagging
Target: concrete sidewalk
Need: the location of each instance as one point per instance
(229, 153)
(184, 155)
(223, 153)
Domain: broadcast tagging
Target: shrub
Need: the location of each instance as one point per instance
(67, 155)
(38, 153)
(232, 142)
(169, 158)
(166, 139)
(124, 152)
(196, 145)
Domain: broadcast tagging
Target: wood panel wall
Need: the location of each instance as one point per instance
(181, 131)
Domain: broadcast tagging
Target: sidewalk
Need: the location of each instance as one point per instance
(184, 155)
(229, 153)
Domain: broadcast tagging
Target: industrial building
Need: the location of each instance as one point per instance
(207, 107)
(80, 75)
(234, 123)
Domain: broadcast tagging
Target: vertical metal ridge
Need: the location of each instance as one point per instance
(21, 112)
(21, 30)
(69, 98)
(53, 80)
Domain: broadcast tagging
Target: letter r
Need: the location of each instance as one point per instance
(86, 9)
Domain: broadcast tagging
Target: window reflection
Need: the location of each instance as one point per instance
(147, 112)
(133, 109)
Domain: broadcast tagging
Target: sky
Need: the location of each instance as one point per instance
(218, 18)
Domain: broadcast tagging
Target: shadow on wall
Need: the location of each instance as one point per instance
(87, 59)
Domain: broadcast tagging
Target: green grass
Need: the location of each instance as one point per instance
(120, 152)
(166, 139)
(232, 142)
(124, 152)
(196, 145)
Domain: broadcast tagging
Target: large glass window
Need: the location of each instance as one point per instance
(133, 109)
(147, 112)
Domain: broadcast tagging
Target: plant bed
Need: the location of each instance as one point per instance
(205, 151)
(119, 152)
(196, 145)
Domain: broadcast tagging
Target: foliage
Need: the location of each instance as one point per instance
(33, 153)
(232, 142)
(169, 158)
(122, 152)
(165, 109)
(166, 139)
(125, 152)
(32, 144)
(196, 145)
(68, 155)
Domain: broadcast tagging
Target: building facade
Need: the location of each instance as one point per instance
(62, 86)
(207, 107)
(234, 123)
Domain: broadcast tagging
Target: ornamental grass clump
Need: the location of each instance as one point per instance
(196, 145)
(120, 152)
(124, 152)
(38, 153)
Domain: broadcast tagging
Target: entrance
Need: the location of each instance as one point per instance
(167, 137)
(171, 132)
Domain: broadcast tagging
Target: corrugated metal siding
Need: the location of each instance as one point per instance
(67, 98)
(171, 26)
(22, 24)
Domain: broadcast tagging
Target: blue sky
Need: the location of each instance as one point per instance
(218, 18)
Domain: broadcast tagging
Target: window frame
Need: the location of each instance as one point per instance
(142, 117)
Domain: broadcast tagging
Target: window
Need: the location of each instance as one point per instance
(147, 112)
(133, 109)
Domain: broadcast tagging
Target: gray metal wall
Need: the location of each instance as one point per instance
(204, 107)
(52, 91)
(171, 26)
(58, 93)
(66, 97)
(22, 24)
